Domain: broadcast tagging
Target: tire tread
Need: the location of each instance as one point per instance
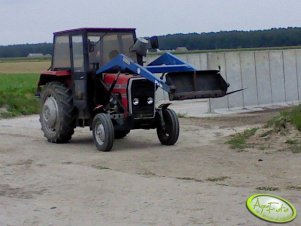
(109, 128)
(173, 138)
(65, 103)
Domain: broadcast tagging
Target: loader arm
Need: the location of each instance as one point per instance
(123, 63)
(183, 81)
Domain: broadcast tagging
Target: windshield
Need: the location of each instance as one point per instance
(103, 47)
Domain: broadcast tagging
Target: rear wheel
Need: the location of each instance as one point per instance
(57, 114)
(170, 134)
(103, 132)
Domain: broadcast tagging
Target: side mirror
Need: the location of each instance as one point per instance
(154, 41)
(140, 46)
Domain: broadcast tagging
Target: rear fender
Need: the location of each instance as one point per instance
(52, 76)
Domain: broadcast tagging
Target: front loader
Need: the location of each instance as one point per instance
(97, 79)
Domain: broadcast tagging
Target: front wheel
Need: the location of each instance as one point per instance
(103, 132)
(170, 133)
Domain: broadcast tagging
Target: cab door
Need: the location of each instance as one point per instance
(79, 75)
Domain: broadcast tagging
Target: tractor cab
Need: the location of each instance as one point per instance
(87, 49)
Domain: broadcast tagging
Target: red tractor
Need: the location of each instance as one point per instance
(97, 79)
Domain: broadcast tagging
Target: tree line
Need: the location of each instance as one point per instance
(233, 39)
(23, 50)
(276, 37)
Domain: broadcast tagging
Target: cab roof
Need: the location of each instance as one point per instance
(79, 30)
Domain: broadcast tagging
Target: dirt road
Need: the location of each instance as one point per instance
(199, 181)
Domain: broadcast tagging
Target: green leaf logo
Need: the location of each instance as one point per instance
(271, 208)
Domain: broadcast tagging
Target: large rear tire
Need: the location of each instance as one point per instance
(103, 132)
(170, 134)
(57, 115)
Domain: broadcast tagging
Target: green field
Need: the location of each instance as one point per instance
(17, 94)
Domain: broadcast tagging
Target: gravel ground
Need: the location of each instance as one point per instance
(199, 181)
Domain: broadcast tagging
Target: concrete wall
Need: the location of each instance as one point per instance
(269, 77)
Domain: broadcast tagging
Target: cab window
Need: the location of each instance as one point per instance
(61, 54)
(78, 53)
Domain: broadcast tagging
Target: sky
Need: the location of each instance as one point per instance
(34, 21)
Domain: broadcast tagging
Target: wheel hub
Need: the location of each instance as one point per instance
(50, 112)
(100, 133)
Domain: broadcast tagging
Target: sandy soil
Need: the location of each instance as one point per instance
(199, 181)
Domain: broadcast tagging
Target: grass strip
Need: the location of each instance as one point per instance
(239, 140)
(17, 95)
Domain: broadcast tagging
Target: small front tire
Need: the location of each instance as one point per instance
(103, 132)
(170, 134)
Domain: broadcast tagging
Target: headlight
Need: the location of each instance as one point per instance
(135, 101)
(150, 100)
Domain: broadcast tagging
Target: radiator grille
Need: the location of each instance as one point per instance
(142, 89)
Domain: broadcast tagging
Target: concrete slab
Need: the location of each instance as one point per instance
(234, 78)
(249, 80)
(183, 57)
(277, 76)
(216, 60)
(203, 61)
(290, 74)
(263, 77)
(194, 60)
